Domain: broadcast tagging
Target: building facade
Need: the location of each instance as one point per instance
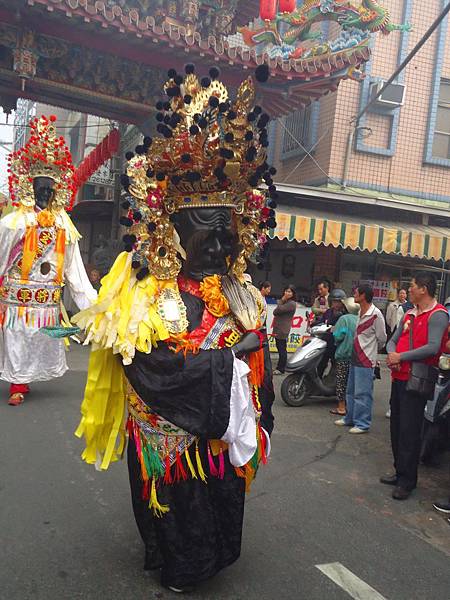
(385, 176)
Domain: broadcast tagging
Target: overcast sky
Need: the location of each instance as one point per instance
(6, 137)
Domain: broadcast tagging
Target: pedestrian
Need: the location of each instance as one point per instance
(444, 507)
(391, 314)
(403, 306)
(321, 305)
(331, 317)
(94, 278)
(283, 314)
(344, 334)
(265, 288)
(370, 337)
(413, 351)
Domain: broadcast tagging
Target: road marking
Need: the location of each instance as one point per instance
(345, 579)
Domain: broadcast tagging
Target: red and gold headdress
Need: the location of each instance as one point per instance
(212, 153)
(44, 155)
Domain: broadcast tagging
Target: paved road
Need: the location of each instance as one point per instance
(67, 532)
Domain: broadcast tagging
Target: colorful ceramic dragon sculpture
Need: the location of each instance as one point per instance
(285, 34)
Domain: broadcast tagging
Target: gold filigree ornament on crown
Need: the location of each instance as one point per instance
(211, 153)
(44, 155)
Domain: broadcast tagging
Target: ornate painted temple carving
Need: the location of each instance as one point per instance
(107, 55)
(285, 30)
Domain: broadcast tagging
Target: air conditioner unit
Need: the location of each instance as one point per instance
(392, 97)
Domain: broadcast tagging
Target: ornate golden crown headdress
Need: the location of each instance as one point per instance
(44, 155)
(212, 154)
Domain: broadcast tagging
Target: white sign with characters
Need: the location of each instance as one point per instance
(298, 327)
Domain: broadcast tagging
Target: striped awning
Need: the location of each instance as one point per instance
(403, 239)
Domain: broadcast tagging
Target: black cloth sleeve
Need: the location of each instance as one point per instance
(192, 392)
(267, 394)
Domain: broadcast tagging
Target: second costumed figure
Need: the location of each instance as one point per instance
(176, 331)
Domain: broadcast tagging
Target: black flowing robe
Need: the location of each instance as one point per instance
(201, 533)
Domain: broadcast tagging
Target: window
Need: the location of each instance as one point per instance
(296, 133)
(441, 140)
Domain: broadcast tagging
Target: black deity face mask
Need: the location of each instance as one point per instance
(43, 191)
(208, 238)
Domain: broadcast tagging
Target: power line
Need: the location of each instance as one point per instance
(355, 120)
(405, 62)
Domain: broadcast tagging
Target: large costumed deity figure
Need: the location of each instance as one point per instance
(176, 311)
(38, 253)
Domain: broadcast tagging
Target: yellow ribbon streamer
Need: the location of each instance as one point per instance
(30, 249)
(103, 410)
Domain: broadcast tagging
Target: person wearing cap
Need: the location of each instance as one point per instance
(330, 317)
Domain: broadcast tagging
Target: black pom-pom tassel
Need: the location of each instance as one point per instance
(125, 221)
(263, 120)
(214, 73)
(262, 73)
(173, 91)
(250, 155)
(142, 274)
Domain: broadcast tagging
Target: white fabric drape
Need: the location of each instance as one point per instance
(241, 432)
(26, 354)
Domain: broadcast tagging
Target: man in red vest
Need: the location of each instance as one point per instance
(428, 321)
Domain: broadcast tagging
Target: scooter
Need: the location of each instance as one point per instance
(304, 381)
(436, 424)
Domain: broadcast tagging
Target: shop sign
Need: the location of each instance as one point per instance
(381, 289)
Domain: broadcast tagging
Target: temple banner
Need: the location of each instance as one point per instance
(298, 328)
